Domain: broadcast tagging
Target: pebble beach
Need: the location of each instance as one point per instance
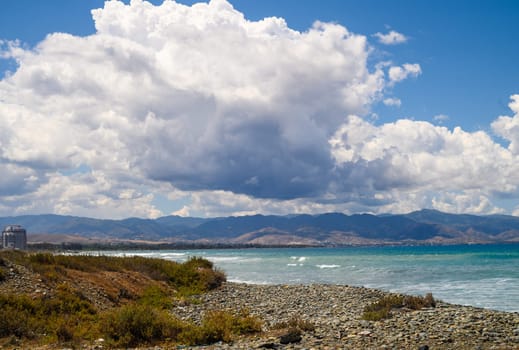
(333, 311)
(336, 312)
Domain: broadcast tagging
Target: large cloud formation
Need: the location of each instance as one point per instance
(227, 116)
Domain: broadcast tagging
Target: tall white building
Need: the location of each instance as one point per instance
(14, 237)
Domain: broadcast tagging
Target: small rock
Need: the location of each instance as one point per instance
(293, 336)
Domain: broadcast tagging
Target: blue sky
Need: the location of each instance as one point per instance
(457, 65)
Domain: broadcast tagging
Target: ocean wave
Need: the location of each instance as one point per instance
(217, 259)
(324, 266)
(298, 258)
(237, 280)
(173, 256)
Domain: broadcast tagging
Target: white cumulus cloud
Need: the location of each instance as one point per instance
(399, 73)
(195, 96)
(393, 102)
(391, 38)
(417, 154)
(440, 118)
(424, 161)
(508, 127)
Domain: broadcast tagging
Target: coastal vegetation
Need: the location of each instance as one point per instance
(126, 301)
(382, 308)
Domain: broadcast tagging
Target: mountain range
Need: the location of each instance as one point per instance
(331, 229)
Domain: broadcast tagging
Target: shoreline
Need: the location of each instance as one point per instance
(336, 313)
(468, 278)
(382, 290)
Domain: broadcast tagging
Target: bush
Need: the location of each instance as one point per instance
(65, 331)
(376, 315)
(429, 300)
(16, 313)
(14, 256)
(43, 259)
(381, 309)
(135, 324)
(157, 297)
(245, 323)
(67, 301)
(221, 325)
(198, 263)
(59, 317)
(417, 303)
(210, 278)
(217, 326)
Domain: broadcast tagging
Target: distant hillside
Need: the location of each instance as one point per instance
(420, 227)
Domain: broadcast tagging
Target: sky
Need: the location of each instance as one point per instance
(144, 109)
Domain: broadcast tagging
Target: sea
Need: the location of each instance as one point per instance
(479, 275)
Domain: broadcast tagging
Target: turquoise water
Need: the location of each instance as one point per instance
(479, 275)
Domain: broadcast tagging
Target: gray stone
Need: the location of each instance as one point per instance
(292, 336)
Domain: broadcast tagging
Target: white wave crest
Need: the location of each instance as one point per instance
(324, 266)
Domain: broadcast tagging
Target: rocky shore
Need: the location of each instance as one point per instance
(336, 314)
(331, 314)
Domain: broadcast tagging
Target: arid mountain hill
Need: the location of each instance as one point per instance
(420, 227)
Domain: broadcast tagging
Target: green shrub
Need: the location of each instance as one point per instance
(191, 335)
(14, 256)
(156, 297)
(296, 322)
(59, 317)
(377, 315)
(429, 301)
(136, 324)
(65, 331)
(195, 262)
(245, 323)
(16, 313)
(220, 325)
(43, 259)
(68, 301)
(381, 309)
(217, 326)
(418, 302)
